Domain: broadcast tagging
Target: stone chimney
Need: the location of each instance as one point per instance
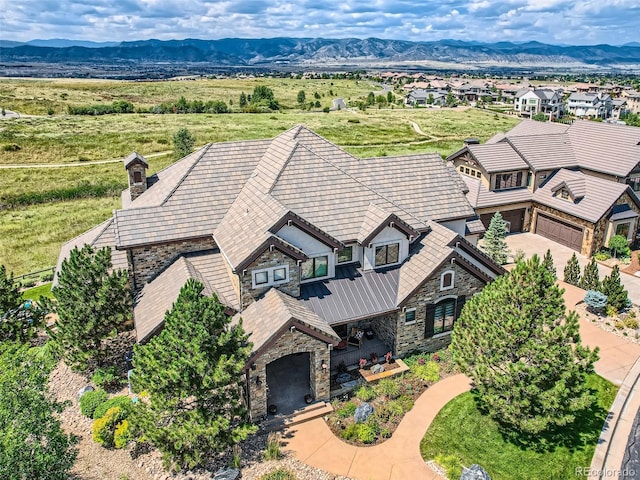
(136, 166)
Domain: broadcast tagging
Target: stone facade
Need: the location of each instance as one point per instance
(270, 258)
(137, 188)
(386, 328)
(289, 343)
(146, 262)
(412, 337)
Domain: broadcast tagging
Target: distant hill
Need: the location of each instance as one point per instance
(319, 51)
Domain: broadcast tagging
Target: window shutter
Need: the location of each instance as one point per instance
(460, 301)
(429, 320)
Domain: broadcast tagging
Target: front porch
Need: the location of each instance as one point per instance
(351, 355)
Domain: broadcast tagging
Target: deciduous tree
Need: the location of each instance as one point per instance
(192, 371)
(302, 97)
(523, 351)
(183, 142)
(91, 302)
(494, 244)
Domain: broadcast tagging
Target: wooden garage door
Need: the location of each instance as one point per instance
(514, 217)
(561, 232)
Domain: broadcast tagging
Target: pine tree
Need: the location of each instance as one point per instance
(19, 319)
(547, 261)
(591, 277)
(523, 352)
(243, 100)
(192, 371)
(617, 296)
(572, 271)
(90, 302)
(494, 245)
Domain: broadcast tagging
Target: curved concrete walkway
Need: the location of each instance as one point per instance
(396, 459)
(399, 457)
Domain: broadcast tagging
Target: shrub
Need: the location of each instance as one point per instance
(389, 388)
(632, 313)
(273, 447)
(366, 393)
(350, 432)
(122, 436)
(619, 325)
(619, 246)
(92, 400)
(121, 401)
(612, 311)
(451, 464)
(46, 277)
(429, 372)
(353, 120)
(631, 322)
(347, 410)
(104, 428)
(106, 377)
(385, 432)
(279, 474)
(236, 458)
(11, 147)
(602, 256)
(519, 256)
(595, 300)
(367, 433)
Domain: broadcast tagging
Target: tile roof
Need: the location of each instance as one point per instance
(474, 227)
(496, 157)
(213, 269)
(599, 194)
(134, 157)
(264, 319)
(102, 235)
(532, 127)
(544, 151)
(622, 212)
(479, 196)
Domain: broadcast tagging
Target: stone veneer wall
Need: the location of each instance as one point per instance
(150, 260)
(137, 189)
(385, 327)
(269, 259)
(288, 344)
(411, 337)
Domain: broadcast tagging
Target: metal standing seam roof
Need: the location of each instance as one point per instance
(599, 195)
(264, 318)
(102, 235)
(480, 197)
(497, 157)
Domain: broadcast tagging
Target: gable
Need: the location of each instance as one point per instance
(310, 245)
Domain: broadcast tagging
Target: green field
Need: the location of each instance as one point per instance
(40, 208)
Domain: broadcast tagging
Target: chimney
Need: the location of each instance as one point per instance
(136, 166)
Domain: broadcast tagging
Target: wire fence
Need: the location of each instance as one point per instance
(31, 278)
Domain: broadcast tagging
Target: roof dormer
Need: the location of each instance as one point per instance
(571, 190)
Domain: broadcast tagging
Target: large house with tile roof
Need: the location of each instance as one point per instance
(304, 242)
(576, 184)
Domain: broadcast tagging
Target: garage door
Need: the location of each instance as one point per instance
(561, 232)
(515, 218)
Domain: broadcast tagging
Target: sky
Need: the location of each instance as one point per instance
(550, 21)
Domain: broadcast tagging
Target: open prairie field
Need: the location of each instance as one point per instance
(40, 208)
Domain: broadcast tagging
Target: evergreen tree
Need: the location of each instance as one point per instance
(9, 292)
(19, 319)
(243, 100)
(91, 302)
(302, 97)
(33, 445)
(591, 277)
(617, 296)
(572, 271)
(183, 142)
(547, 261)
(494, 244)
(192, 371)
(523, 352)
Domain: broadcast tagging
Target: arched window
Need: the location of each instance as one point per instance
(446, 280)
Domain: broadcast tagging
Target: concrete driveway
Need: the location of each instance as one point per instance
(531, 243)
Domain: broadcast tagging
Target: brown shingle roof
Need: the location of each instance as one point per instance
(479, 196)
(265, 319)
(599, 194)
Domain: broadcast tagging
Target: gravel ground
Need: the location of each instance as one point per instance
(97, 463)
(608, 323)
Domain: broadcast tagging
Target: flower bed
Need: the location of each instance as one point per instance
(391, 398)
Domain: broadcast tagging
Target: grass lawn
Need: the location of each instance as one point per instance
(461, 431)
(36, 292)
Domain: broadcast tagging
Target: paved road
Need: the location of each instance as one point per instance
(338, 104)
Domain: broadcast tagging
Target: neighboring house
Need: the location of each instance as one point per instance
(633, 102)
(423, 98)
(573, 183)
(619, 108)
(529, 102)
(589, 105)
(304, 243)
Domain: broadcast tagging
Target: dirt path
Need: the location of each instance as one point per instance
(417, 128)
(81, 164)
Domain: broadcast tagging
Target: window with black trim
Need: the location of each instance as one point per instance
(270, 276)
(387, 254)
(446, 280)
(410, 316)
(260, 278)
(441, 317)
(314, 268)
(279, 274)
(137, 177)
(345, 255)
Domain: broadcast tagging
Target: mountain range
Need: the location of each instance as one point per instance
(238, 52)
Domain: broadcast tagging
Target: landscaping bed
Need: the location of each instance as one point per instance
(390, 398)
(623, 325)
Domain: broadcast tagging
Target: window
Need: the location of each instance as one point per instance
(478, 174)
(444, 316)
(410, 316)
(466, 170)
(387, 254)
(529, 178)
(345, 255)
(635, 184)
(137, 177)
(261, 278)
(446, 280)
(508, 180)
(270, 276)
(623, 229)
(564, 194)
(314, 268)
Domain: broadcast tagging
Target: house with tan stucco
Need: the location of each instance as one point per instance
(576, 184)
(325, 257)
